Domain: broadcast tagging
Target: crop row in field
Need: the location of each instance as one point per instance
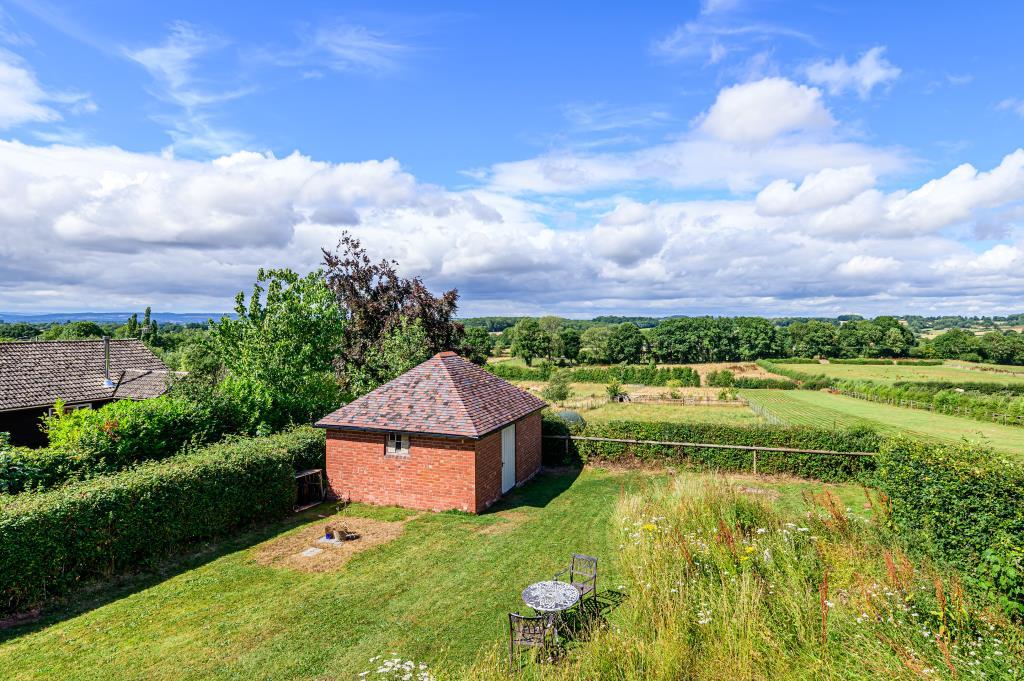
(822, 409)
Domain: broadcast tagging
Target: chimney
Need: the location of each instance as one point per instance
(107, 383)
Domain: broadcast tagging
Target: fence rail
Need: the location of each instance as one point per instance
(707, 445)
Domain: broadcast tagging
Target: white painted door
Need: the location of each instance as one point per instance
(508, 458)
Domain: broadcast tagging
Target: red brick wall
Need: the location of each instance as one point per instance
(527, 447)
(488, 470)
(437, 475)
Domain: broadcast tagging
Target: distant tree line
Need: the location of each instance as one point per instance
(688, 340)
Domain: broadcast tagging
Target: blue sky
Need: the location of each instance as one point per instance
(718, 157)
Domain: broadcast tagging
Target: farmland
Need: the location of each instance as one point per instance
(672, 413)
(804, 407)
(955, 373)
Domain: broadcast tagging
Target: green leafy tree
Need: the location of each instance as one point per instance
(558, 388)
(402, 348)
(955, 343)
(477, 345)
(279, 353)
(74, 331)
(626, 344)
(529, 340)
(594, 344)
(569, 340)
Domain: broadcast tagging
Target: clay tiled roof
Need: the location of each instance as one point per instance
(35, 374)
(446, 395)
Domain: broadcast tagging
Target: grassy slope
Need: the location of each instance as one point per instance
(437, 594)
(824, 409)
(673, 413)
(893, 373)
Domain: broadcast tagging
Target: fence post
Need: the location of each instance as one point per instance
(755, 462)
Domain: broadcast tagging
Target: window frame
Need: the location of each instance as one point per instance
(397, 444)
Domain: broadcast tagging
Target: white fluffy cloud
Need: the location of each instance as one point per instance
(762, 110)
(22, 98)
(803, 227)
(824, 189)
(862, 76)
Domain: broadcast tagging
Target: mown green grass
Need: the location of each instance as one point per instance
(890, 373)
(672, 413)
(438, 594)
(822, 409)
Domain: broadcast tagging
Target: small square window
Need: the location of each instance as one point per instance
(397, 444)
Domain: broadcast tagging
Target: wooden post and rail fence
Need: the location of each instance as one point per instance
(705, 445)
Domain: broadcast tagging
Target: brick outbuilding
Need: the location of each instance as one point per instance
(445, 435)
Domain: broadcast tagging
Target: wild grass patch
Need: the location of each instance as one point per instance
(722, 585)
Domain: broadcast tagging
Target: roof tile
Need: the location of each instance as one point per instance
(37, 373)
(446, 395)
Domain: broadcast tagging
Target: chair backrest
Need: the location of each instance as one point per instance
(584, 566)
(528, 630)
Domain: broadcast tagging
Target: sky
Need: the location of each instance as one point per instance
(716, 157)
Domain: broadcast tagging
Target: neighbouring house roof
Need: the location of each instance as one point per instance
(37, 373)
(446, 395)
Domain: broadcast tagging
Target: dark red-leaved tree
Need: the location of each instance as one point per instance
(375, 300)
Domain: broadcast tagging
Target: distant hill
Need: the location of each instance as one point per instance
(108, 317)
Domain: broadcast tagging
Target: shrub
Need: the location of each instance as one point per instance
(87, 442)
(861, 360)
(558, 389)
(614, 389)
(721, 379)
(822, 466)
(962, 505)
(111, 524)
(514, 372)
(765, 383)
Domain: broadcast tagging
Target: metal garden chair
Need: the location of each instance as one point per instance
(527, 632)
(582, 574)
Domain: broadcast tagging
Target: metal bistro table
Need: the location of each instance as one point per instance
(551, 598)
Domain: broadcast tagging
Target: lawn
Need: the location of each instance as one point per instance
(437, 594)
(673, 413)
(807, 407)
(890, 373)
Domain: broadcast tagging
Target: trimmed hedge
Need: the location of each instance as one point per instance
(111, 524)
(825, 467)
(796, 360)
(764, 383)
(640, 374)
(804, 381)
(962, 505)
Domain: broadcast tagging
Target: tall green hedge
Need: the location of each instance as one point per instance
(963, 505)
(981, 401)
(821, 466)
(52, 540)
(87, 442)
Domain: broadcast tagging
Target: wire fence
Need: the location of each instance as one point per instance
(1006, 419)
(754, 449)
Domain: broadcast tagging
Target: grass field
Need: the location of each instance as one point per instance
(894, 372)
(807, 407)
(673, 413)
(437, 594)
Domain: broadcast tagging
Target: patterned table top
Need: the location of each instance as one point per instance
(552, 596)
